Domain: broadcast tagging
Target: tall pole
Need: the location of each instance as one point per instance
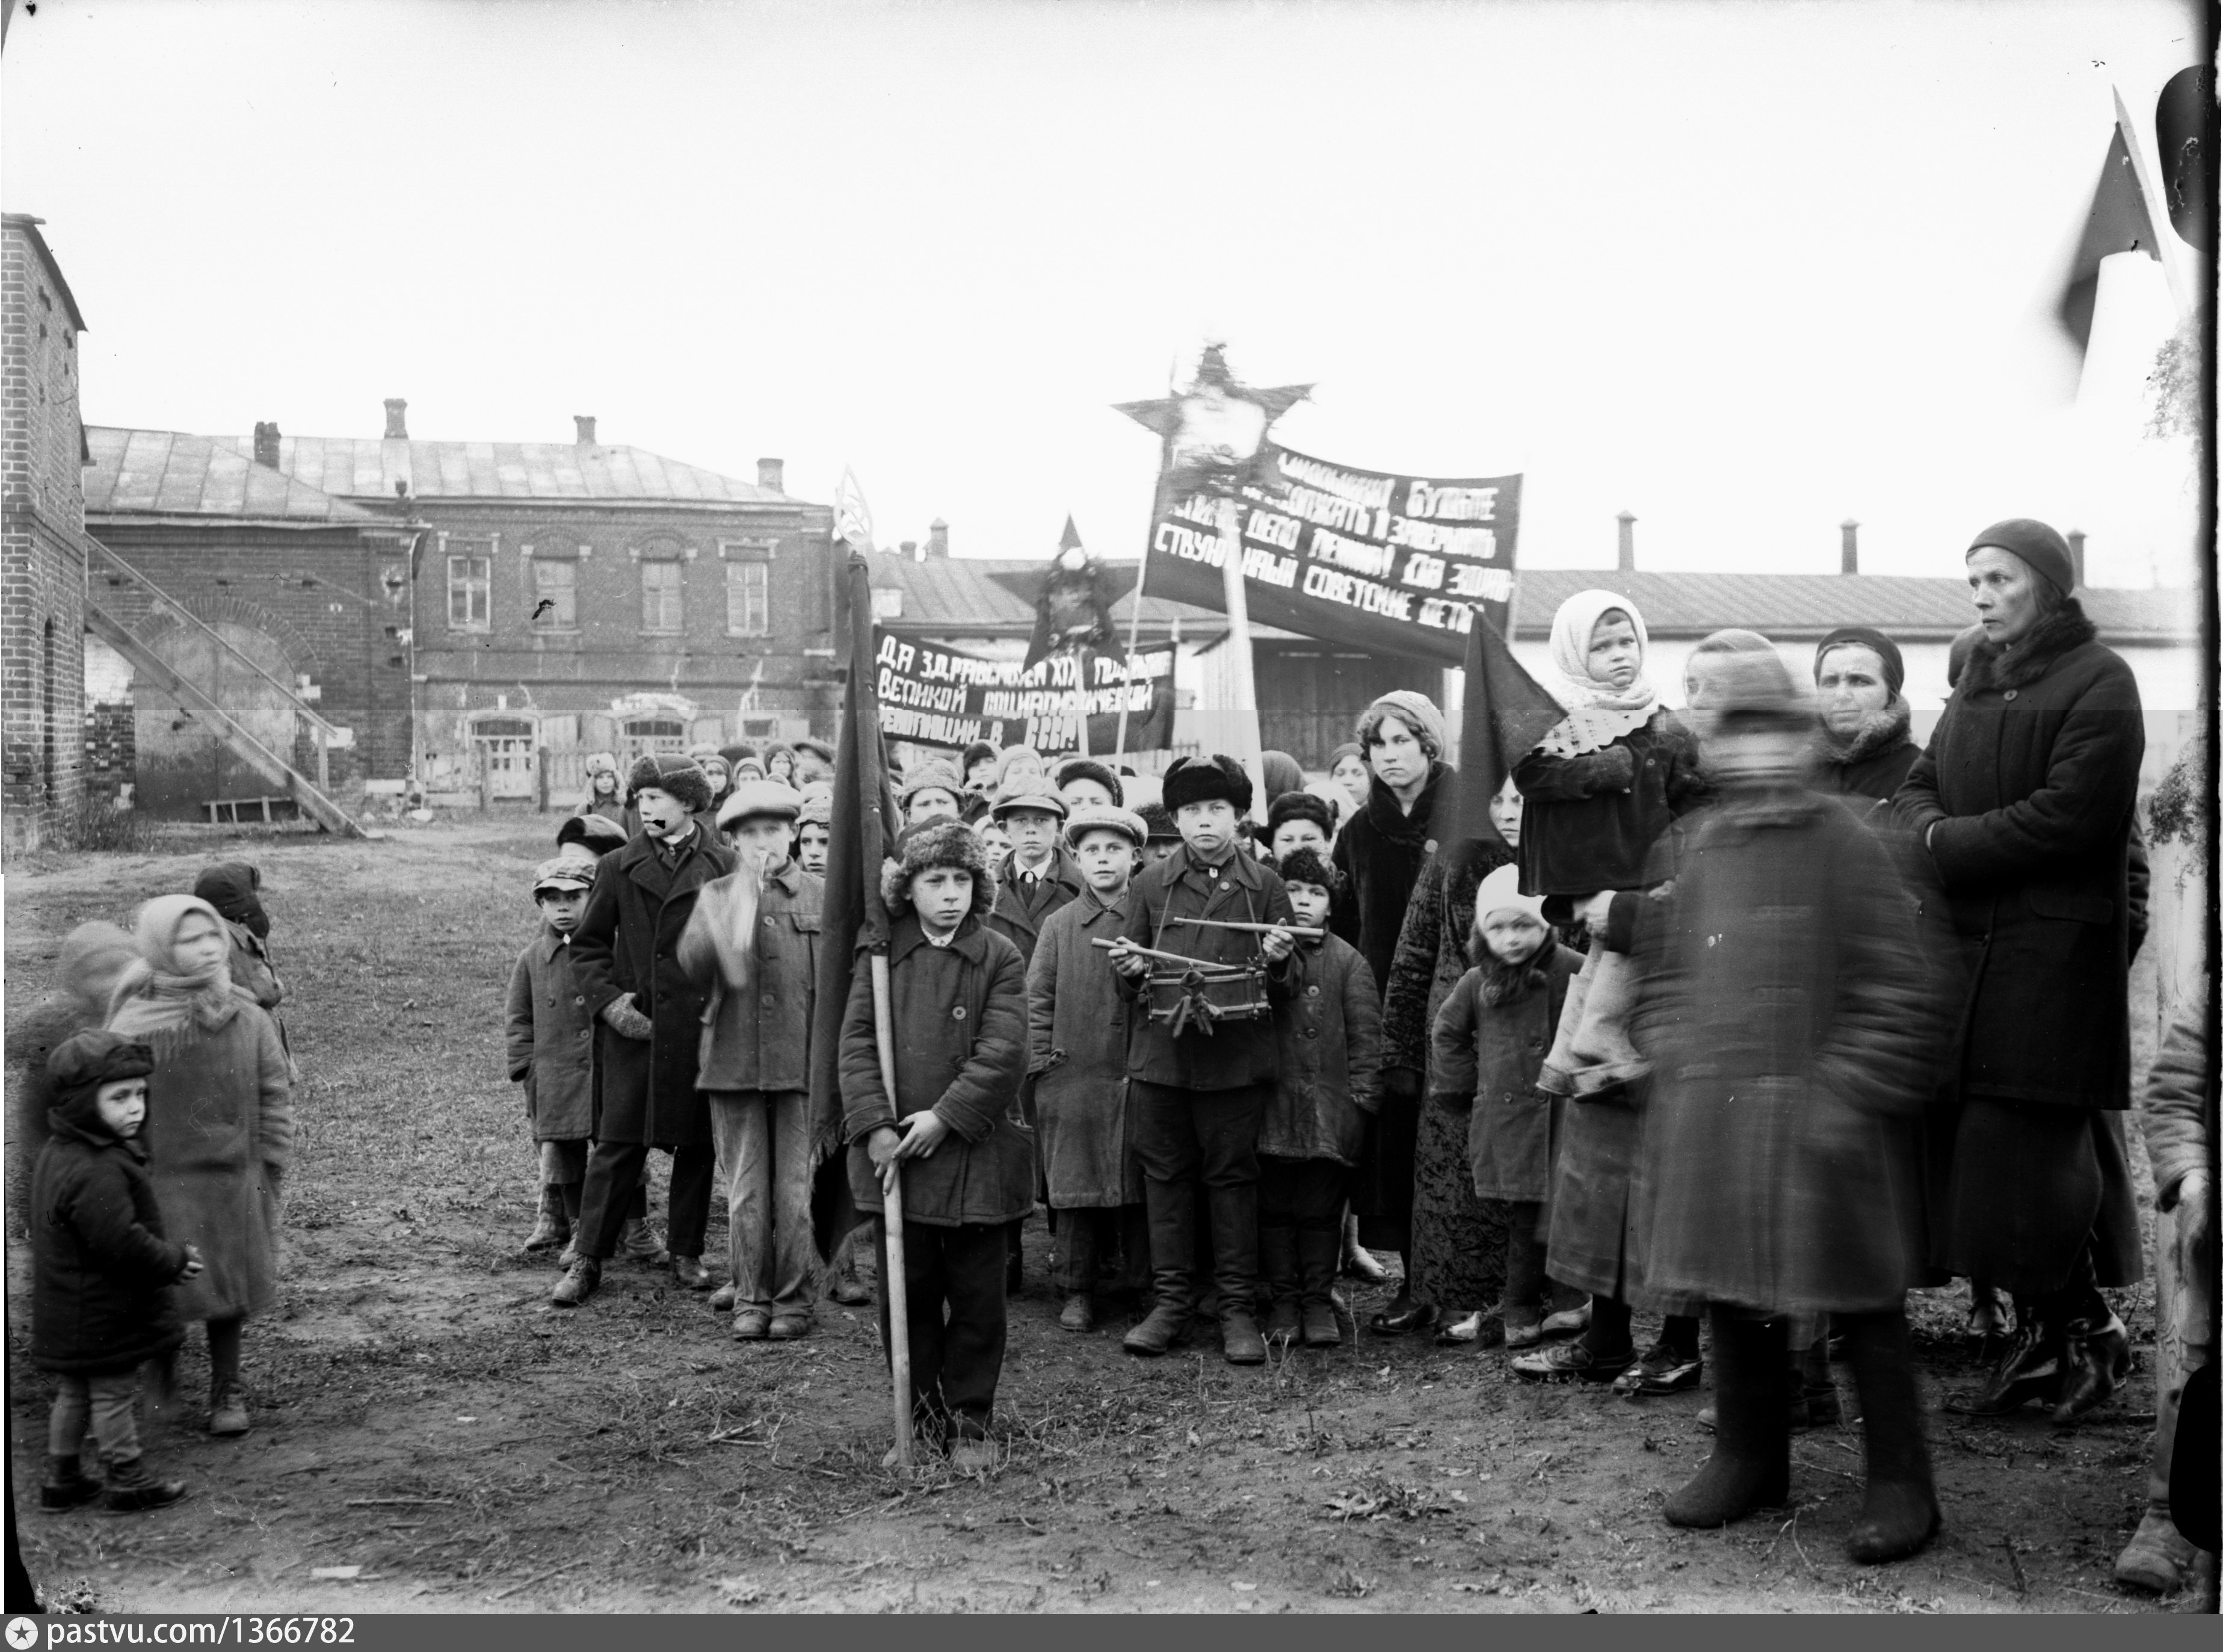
(1134, 641)
(891, 1221)
(1241, 670)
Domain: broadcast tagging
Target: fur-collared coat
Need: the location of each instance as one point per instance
(1078, 1028)
(1875, 761)
(550, 1039)
(2023, 804)
(628, 941)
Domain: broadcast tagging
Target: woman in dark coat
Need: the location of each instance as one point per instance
(1380, 852)
(1866, 749)
(2023, 804)
(1790, 1023)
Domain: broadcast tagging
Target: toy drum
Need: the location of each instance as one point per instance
(1196, 998)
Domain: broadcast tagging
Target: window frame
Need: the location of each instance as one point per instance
(481, 549)
(558, 626)
(676, 585)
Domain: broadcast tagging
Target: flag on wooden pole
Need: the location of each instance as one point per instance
(1505, 715)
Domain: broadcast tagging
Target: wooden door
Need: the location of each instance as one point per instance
(1310, 694)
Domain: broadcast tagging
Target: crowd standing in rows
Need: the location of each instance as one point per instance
(1754, 1017)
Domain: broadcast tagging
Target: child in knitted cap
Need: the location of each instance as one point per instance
(101, 1271)
(1486, 1047)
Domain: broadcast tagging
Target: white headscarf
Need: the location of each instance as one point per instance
(1597, 713)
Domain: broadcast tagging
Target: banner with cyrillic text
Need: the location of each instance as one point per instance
(1392, 563)
(936, 695)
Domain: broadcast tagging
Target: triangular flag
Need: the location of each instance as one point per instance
(2120, 219)
(1070, 540)
(1505, 715)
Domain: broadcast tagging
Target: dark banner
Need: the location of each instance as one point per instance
(934, 695)
(1395, 565)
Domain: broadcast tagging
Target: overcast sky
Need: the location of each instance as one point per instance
(1741, 269)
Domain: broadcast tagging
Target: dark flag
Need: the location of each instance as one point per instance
(855, 917)
(1505, 715)
(2120, 219)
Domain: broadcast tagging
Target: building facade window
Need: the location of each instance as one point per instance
(650, 737)
(555, 594)
(659, 595)
(748, 599)
(470, 586)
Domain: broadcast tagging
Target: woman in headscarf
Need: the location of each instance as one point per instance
(2024, 806)
(219, 1124)
(1866, 749)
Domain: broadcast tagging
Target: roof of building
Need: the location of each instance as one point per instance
(29, 226)
(361, 466)
(165, 473)
(953, 597)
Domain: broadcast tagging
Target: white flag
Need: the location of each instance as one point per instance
(852, 517)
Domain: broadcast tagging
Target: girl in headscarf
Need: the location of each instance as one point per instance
(219, 1125)
(1597, 794)
(605, 791)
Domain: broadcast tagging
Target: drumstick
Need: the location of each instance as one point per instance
(1146, 952)
(1249, 928)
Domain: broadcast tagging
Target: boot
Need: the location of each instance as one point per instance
(1079, 1312)
(1986, 1318)
(553, 1228)
(1750, 1468)
(2030, 1368)
(689, 1273)
(67, 1485)
(227, 1410)
(2098, 1360)
(637, 1242)
(1239, 1339)
(1357, 1261)
(580, 1282)
(1167, 1323)
(131, 1488)
(1277, 1265)
(2157, 1558)
(1316, 1249)
(1900, 1514)
(722, 1300)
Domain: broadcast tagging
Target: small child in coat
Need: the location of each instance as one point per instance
(1486, 1049)
(958, 1011)
(551, 1047)
(102, 1270)
(1329, 1028)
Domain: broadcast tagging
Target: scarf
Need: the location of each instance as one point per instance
(1502, 983)
(2024, 662)
(1597, 713)
(1880, 731)
(158, 1004)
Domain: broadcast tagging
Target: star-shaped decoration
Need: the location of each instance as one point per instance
(1213, 430)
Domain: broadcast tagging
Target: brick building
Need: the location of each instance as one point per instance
(42, 545)
(478, 614)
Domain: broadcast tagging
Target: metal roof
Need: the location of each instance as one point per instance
(368, 466)
(952, 597)
(164, 473)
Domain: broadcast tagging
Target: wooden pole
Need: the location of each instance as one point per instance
(894, 1285)
(1241, 671)
(1134, 641)
(1080, 697)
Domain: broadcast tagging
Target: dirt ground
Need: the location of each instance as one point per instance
(421, 1412)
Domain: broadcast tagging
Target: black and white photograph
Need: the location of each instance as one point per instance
(1269, 808)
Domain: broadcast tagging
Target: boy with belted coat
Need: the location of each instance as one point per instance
(958, 1016)
(755, 1067)
(1201, 1084)
(648, 1023)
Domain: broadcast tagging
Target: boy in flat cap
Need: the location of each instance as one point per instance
(752, 945)
(552, 1046)
(1198, 1094)
(648, 1020)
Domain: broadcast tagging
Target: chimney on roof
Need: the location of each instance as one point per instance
(1627, 563)
(771, 475)
(397, 424)
(909, 549)
(586, 424)
(1848, 546)
(2075, 537)
(937, 539)
(266, 445)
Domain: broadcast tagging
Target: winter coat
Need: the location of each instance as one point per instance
(2024, 803)
(1872, 766)
(1484, 1061)
(1588, 823)
(959, 1014)
(1230, 1055)
(1431, 952)
(628, 941)
(1078, 1027)
(250, 968)
(551, 1041)
(1019, 920)
(101, 1268)
(1329, 1030)
(219, 1133)
(2178, 1115)
(612, 809)
(1380, 852)
(761, 1039)
(1793, 1030)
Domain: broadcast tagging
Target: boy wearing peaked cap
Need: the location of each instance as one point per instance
(552, 1046)
(1202, 1085)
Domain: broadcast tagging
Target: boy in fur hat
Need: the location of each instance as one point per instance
(1329, 1030)
(649, 1018)
(101, 1270)
(1486, 1051)
(1198, 1094)
(551, 1040)
(1077, 1038)
(958, 1011)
